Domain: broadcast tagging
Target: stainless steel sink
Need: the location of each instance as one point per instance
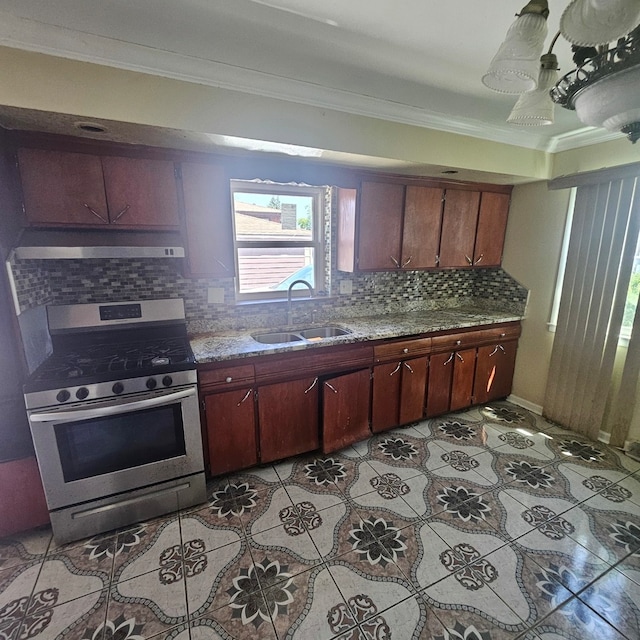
(276, 337)
(323, 332)
(300, 335)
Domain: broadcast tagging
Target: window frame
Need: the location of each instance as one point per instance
(317, 241)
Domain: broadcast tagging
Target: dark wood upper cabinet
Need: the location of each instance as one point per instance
(141, 192)
(208, 220)
(380, 226)
(492, 225)
(422, 223)
(459, 223)
(345, 410)
(62, 188)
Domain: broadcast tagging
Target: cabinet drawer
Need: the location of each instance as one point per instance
(226, 376)
(401, 349)
(464, 339)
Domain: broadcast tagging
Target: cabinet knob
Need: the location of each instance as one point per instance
(228, 379)
(502, 335)
(405, 350)
(458, 342)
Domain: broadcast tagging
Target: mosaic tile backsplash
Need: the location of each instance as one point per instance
(41, 282)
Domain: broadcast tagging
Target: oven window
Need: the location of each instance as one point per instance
(97, 446)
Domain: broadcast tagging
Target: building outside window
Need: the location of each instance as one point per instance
(278, 234)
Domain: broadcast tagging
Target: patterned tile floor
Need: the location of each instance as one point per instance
(484, 525)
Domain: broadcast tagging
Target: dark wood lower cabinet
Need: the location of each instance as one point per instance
(258, 411)
(345, 410)
(440, 377)
(231, 430)
(464, 366)
(451, 377)
(288, 418)
(398, 393)
(494, 371)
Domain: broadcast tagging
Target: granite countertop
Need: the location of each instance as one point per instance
(229, 345)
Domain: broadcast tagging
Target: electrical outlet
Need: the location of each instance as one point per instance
(346, 287)
(215, 295)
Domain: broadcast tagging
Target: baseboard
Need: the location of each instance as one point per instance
(525, 404)
(605, 437)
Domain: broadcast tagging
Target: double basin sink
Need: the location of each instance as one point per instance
(312, 334)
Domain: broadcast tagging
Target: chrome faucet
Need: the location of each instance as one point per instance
(289, 312)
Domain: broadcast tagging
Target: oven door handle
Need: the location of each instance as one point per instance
(113, 410)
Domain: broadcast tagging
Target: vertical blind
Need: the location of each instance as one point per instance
(604, 234)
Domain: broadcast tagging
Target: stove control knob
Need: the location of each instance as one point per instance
(82, 393)
(117, 388)
(167, 381)
(63, 395)
(151, 383)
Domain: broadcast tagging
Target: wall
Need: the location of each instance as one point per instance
(37, 81)
(531, 255)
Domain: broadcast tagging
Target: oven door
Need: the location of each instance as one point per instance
(107, 447)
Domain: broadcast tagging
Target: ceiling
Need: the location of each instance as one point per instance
(417, 62)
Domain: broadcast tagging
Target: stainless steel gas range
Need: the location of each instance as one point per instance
(114, 416)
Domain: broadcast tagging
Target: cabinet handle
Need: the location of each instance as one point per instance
(313, 384)
(95, 213)
(330, 387)
(498, 346)
(469, 260)
(246, 395)
(408, 367)
(395, 261)
(405, 350)
(450, 359)
(396, 369)
(478, 260)
(119, 215)
(228, 379)
(502, 335)
(222, 264)
(458, 342)
(437, 260)
(404, 264)
(459, 357)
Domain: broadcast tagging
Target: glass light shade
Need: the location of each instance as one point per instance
(612, 102)
(536, 107)
(593, 22)
(514, 69)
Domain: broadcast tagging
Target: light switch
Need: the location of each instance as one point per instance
(346, 287)
(215, 295)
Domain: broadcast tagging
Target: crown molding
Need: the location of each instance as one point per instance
(582, 138)
(38, 37)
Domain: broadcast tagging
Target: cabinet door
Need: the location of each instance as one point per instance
(492, 224)
(464, 366)
(288, 418)
(387, 380)
(141, 193)
(209, 230)
(62, 188)
(412, 395)
(231, 430)
(345, 403)
(421, 232)
(494, 371)
(439, 389)
(459, 221)
(380, 225)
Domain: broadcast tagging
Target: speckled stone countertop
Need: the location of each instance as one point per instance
(229, 345)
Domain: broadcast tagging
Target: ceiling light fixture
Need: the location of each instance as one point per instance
(604, 88)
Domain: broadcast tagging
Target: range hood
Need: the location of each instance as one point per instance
(46, 244)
